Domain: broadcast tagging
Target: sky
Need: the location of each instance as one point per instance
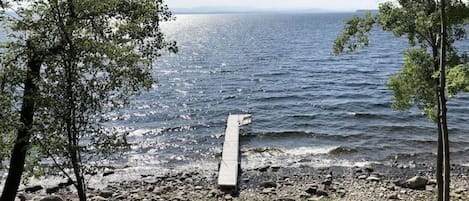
(277, 4)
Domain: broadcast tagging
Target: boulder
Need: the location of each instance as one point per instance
(417, 183)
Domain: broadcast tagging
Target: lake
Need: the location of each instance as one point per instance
(308, 107)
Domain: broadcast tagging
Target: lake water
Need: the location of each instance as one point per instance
(308, 107)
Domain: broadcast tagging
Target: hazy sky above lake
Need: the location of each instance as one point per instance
(278, 4)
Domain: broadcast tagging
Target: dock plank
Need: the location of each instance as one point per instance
(229, 165)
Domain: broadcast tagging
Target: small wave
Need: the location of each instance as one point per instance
(286, 134)
(305, 134)
(282, 98)
(181, 91)
(310, 150)
(364, 115)
(159, 131)
(305, 116)
(139, 132)
(262, 150)
(229, 97)
(342, 150)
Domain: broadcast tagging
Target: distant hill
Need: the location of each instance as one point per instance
(367, 10)
(208, 10)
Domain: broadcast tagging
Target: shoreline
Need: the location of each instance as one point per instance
(371, 182)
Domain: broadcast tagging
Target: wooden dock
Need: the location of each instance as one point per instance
(230, 162)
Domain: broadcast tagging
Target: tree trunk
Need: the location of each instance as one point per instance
(442, 97)
(439, 158)
(18, 155)
(80, 185)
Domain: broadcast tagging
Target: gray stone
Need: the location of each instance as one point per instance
(198, 188)
(368, 168)
(105, 194)
(177, 198)
(32, 189)
(373, 178)
(52, 190)
(266, 191)
(214, 193)
(228, 197)
(151, 181)
(357, 169)
(322, 192)
(431, 182)
(51, 198)
(285, 199)
(460, 190)
(341, 193)
(107, 173)
(23, 197)
(150, 188)
(269, 184)
(264, 169)
(312, 190)
(327, 182)
(98, 198)
(363, 177)
(393, 197)
(121, 197)
(275, 168)
(417, 182)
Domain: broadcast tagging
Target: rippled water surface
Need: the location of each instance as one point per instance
(308, 107)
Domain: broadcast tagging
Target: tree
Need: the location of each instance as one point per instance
(432, 65)
(92, 56)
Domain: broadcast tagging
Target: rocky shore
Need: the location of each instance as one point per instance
(409, 181)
